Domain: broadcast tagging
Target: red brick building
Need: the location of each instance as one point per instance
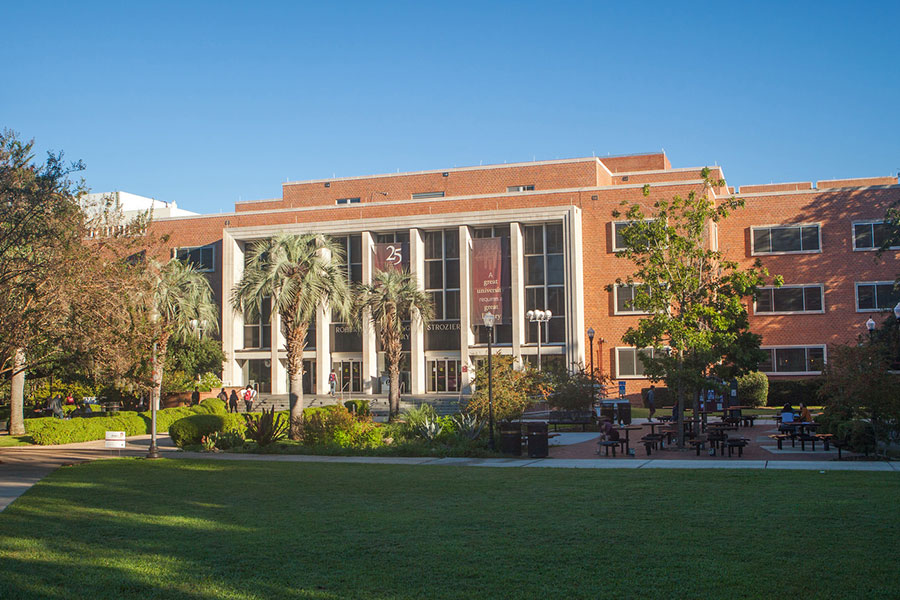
(556, 220)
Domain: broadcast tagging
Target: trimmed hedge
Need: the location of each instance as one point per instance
(190, 430)
(794, 391)
(48, 431)
(214, 406)
(753, 389)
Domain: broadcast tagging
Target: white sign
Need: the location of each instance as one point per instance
(115, 439)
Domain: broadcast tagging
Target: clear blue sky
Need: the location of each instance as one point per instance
(206, 103)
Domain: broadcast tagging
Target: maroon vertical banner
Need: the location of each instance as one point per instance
(391, 256)
(487, 278)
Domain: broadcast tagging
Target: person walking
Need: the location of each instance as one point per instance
(223, 396)
(233, 401)
(248, 399)
(651, 401)
(332, 382)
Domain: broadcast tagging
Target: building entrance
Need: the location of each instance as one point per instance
(443, 375)
(349, 375)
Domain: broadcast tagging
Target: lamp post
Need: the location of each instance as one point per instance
(539, 316)
(870, 325)
(489, 319)
(153, 452)
(590, 333)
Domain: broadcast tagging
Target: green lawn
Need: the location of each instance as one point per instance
(205, 529)
(15, 440)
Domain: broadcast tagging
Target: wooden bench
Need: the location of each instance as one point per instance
(699, 443)
(607, 444)
(747, 420)
(826, 439)
(651, 442)
(739, 443)
(780, 437)
(571, 417)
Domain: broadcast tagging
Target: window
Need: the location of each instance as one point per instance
(347, 201)
(871, 235)
(545, 278)
(258, 332)
(442, 284)
(625, 297)
(203, 258)
(791, 360)
(502, 329)
(628, 361)
(877, 295)
(424, 195)
(618, 237)
(790, 299)
(520, 188)
(785, 239)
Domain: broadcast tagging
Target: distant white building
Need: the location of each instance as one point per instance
(128, 206)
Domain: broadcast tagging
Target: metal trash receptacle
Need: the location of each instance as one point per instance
(623, 410)
(538, 440)
(511, 441)
(608, 410)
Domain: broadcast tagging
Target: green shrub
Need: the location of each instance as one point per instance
(794, 391)
(266, 428)
(336, 426)
(51, 431)
(360, 408)
(214, 406)
(753, 389)
(191, 430)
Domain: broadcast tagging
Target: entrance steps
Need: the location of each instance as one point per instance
(377, 404)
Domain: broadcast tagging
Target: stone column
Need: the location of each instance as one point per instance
(417, 331)
(277, 372)
(466, 336)
(369, 345)
(323, 349)
(574, 261)
(517, 285)
(232, 320)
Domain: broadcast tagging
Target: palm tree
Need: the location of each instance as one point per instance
(391, 298)
(299, 273)
(180, 306)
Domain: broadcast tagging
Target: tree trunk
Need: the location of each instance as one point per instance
(393, 351)
(159, 359)
(17, 395)
(295, 339)
(394, 371)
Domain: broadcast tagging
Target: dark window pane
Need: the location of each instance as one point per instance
(764, 302)
(534, 270)
(356, 273)
(766, 365)
(483, 232)
(811, 237)
(434, 276)
(555, 273)
(638, 362)
(865, 295)
(790, 360)
(451, 306)
(619, 238)
(251, 336)
(786, 239)
(356, 249)
(762, 240)
(534, 299)
(816, 357)
(556, 330)
(433, 242)
(384, 238)
(451, 243)
(862, 235)
(886, 296)
(554, 239)
(788, 299)
(452, 267)
(556, 300)
(625, 361)
(266, 310)
(624, 298)
(812, 298)
(534, 240)
(266, 336)
(402, 237)
(437, 299)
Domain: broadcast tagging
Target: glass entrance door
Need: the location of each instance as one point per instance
(349, 376)
(443, 375)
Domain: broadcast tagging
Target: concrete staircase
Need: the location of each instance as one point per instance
(377, 404)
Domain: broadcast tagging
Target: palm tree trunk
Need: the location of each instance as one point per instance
(17, 395)
(394, 370)
(295, 338)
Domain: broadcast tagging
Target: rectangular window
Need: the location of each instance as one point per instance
(442, 284)
(347, 201)
(873, 234)
(258, 332)
(790, 299)
(545, 281)
(875, 296)
(424, 195)
(202, 258)
(628, 362)
(624, 297)
(793, 360)
(520, 188)
(785, 239)
(618, 234)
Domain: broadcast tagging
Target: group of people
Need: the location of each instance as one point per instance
(787, 413)
(248, 395)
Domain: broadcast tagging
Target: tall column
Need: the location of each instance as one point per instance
(232, 320)
(417, 331)
(466, 336)
(369, 345)
(277, 371)
(517, 285)
(574, 257)
(323, 349)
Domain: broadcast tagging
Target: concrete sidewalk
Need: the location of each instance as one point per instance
(23, 466)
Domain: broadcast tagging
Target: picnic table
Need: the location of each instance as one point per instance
(627, 429)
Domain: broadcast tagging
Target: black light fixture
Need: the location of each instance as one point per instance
(489, 320)
(590, 333)
(445, 174)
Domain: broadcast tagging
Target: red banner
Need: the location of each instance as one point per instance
(391, 256)
(487, 278)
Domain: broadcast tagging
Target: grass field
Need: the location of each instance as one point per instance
(15, 440)
(205, 529)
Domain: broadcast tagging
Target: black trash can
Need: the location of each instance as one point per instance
(623, 410)
(538, 446)
(608, 410)
(511, 440)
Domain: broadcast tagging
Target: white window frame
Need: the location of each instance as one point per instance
(618, 374)
(342, 201)
(190, 248)
(427, 195)
(821, 287)
(824, 348)
(616, 310)
(754, 228)
(626, 222)
(867, 222)
(856, 296)
(520, 188)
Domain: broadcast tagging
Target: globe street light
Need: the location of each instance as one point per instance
(539, 316)
(489, 320)
(870, 325)
(590, 333)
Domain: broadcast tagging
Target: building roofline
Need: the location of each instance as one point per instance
(816, 190)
